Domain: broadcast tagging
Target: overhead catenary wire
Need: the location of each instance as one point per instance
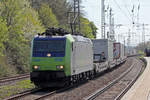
(122, 10)
(125, 4)
(132, 2)
(139, 6)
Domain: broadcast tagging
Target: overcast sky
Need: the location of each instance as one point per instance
(92, 10)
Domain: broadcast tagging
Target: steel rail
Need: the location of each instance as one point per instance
(15, 97)
(3, 78)
(13, 78)
(129, 85)
(100, 91)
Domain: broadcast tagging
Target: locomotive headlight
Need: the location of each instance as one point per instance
(60, 67)
(36, 67)
(48, 55)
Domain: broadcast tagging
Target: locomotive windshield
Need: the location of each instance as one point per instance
(42, 47)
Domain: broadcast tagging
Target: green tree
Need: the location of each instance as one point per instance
(3, 35)
(32, 25)
(86, 28)
(59, 7)
(22, 22)
(94, 29)
(47, 17)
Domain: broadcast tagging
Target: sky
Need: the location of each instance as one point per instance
(122, 15)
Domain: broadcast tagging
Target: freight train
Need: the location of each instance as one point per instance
(147, 52)
(58, 61)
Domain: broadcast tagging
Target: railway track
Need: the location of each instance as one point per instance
(40, 94)
(69, 94)
(122, 83)
(25, 93)
(37, 94)
(13, 78)
(129, 85)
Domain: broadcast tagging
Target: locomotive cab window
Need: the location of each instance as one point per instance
(54, 47)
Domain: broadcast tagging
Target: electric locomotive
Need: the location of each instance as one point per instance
(56, 61)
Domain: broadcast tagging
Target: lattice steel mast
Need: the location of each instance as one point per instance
(74, 17)
(103, 19)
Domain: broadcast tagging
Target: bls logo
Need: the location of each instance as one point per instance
(58, 59)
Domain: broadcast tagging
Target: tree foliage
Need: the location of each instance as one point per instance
(59, 7)
(142, 46)
(93, 28)
(3, 35)
(88, 28)
(47, 17)
(22, 23)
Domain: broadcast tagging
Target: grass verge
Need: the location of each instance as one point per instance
(9, 90)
